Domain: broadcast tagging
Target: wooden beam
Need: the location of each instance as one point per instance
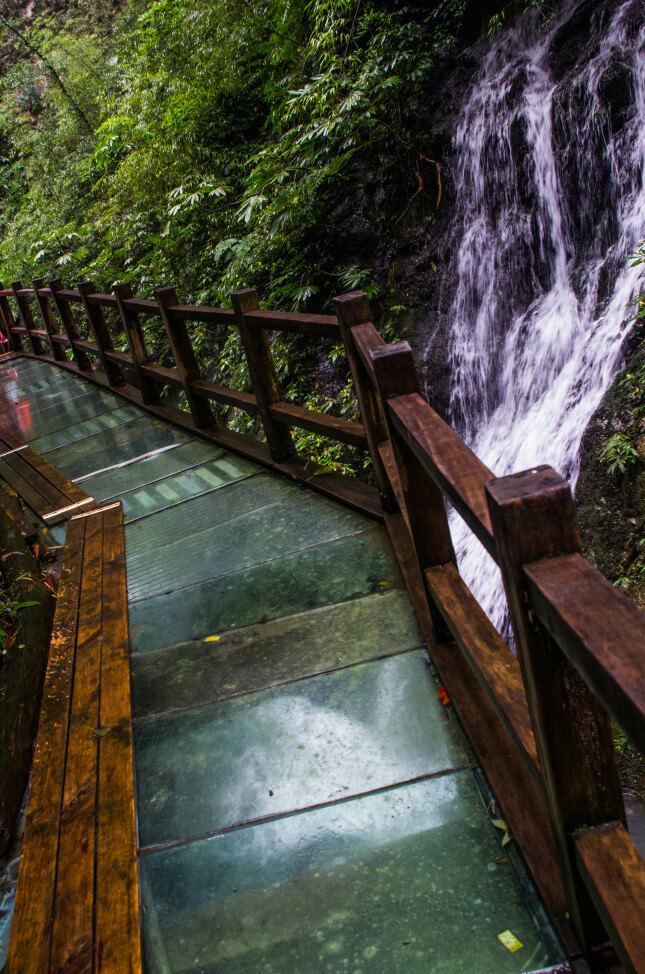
(69, 325)
(29, 947)
(24, 310)
(140, 357)
(184, 356)
(601, 632)
(396, 378)
(355, 320)
(614, 874)
(533, 517)
(101, 332)
(264, 378)
(48, 319)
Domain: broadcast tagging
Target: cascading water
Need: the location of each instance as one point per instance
(551, 201)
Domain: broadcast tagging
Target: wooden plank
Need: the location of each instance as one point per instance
(319, 326)
(614, 874)
(26, 489)
(30, 941)
(460, 474)
(73, 918)
(492, 662)
(121, 358)
(194, 312)
(163, 375)
(226, 396)
(117, 947)
(184, 356)
(533, 517)
(343, 430)
(264, 379)
(601, 632)
(42, 486)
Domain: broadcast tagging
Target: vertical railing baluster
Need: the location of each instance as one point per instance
(353, 312)
(264, 378)
(184, 356)
(533, 517)
(396, 378)
(6, 317)
(24, 310)
(101, 334)
(70, 328)
(134, 332)
(48, 319)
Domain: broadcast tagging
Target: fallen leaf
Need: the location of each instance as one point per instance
(211, 639)
(509, 940)
(443, 695)
(100, 732)
(499, 823)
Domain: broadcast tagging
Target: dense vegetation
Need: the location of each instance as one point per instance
(216, 144)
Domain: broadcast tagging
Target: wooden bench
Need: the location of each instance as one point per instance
(41, 486)
(77, 907)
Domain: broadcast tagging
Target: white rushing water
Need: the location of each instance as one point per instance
(551, 202)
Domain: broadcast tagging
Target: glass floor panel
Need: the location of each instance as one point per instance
(107, 419)
(116, 482)
(317, 740)
(256, 490)
(265, 655)
(290, 525)
(30, 422)
(334, 572)
(410, 881)
(131, 439)
(187, 484)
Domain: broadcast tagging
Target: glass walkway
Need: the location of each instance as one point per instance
(306, 802)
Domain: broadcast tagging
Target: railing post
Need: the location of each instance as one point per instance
(101, 334)
(69, 325)
(264, 378)
(132, 327)
(6, 318)
(26, 316)
(353, 311)
(533, 517)
(184, 356)
(396, 377)
(48, 319)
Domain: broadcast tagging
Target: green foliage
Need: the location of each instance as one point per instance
(9, 609)
(223, 133)
(618, 453)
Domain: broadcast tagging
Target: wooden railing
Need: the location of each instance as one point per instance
(539, 722)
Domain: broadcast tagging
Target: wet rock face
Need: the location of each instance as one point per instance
(611, 507)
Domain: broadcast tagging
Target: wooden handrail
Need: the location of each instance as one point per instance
(600, 631)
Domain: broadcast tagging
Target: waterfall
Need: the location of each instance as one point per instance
(550, 202)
